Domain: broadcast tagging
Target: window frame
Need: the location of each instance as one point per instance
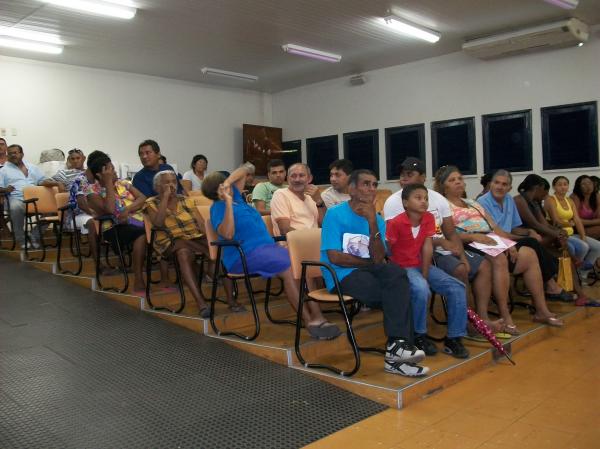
(310, 141)
(375, 150)
(490, 118)
(389, 132)
(545, 113)
(294, 142)
(470, 122)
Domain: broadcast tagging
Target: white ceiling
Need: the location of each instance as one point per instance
(176, 38)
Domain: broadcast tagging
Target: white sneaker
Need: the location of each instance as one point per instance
(406, 369)
(400, 351)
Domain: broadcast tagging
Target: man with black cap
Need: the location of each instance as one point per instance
(449, 254)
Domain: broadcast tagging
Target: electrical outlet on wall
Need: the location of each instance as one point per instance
(3, 132)
(14, 131)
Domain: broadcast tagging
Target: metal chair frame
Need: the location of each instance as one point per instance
(122, 265)
(173, 257)
(74, 236)
(348, 316)
(8, 221)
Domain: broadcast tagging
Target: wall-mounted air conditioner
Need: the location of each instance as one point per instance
(566, 33)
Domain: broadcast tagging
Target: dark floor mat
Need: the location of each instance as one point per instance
(79, 370)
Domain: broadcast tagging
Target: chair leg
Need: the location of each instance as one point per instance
(349, 334)
(268, 311)
(213, 300)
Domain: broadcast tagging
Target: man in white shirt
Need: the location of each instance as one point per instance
(339, 175)
(449, 254)
(14, 177)
(299, 205)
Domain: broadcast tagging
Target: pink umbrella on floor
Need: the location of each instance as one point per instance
(484, 330)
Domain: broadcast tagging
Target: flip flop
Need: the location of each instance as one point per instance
(477, 337)
(204, 313)
(324, 331)
(141, 293)
(237, 308)
(503, 335)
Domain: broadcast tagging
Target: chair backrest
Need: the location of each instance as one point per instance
(268, 223)
(204, 211)
(62, 199)
(46, 203)
(304, 244)
(380, 197)
(186, 184)
(200, 199)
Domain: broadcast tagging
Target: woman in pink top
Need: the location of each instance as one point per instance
(587, 201)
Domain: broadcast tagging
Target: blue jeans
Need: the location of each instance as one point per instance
(588, 250)
(445, 285)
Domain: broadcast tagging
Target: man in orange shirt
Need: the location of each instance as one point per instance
(299, 205)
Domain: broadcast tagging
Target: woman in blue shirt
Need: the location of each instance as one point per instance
(234, 219)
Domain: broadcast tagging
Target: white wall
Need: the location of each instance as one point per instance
(451, 86)
(55, 105)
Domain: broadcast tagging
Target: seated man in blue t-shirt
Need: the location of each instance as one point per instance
(353, 243)
(234, 219)
(502, 208)
(149, 153)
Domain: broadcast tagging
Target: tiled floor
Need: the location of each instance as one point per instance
(549, 400)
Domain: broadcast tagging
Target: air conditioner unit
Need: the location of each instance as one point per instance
(565, 33)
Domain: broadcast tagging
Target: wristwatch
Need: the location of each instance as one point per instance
(321, 204)
(377, 235)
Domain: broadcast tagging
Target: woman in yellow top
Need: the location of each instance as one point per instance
(563, 213)
(184, 236)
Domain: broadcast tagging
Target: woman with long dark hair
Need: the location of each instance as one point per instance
(587, 201)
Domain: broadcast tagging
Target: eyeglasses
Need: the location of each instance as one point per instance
(75, 150)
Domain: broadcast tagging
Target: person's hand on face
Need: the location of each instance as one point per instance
(224, 192)
(366, 209)
(107, 175)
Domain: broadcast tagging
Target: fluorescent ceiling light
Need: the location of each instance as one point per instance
(228, 74)
(311, 53)
(30, 46)
(564, 4)
(411, 29)
(37, 36)
(113, 8)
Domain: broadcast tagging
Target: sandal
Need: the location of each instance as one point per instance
(562, 296)
(585, 302)
(205, 312)
(511, 329)
(324, 331)
(141, 293)
(237, 308)
(550, 321)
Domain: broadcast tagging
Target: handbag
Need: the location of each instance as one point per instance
(565, 272)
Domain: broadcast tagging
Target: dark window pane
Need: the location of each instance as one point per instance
(362, 148)
(507, 141)
(453, 143)
(292, 152)
(570, 136)
(320, 152)
(402, 142)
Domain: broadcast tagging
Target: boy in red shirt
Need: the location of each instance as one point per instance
(409, 240)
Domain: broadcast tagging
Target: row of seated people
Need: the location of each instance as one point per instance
(354, 242)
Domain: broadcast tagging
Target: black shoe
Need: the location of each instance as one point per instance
(455, 348)
(426, 345)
